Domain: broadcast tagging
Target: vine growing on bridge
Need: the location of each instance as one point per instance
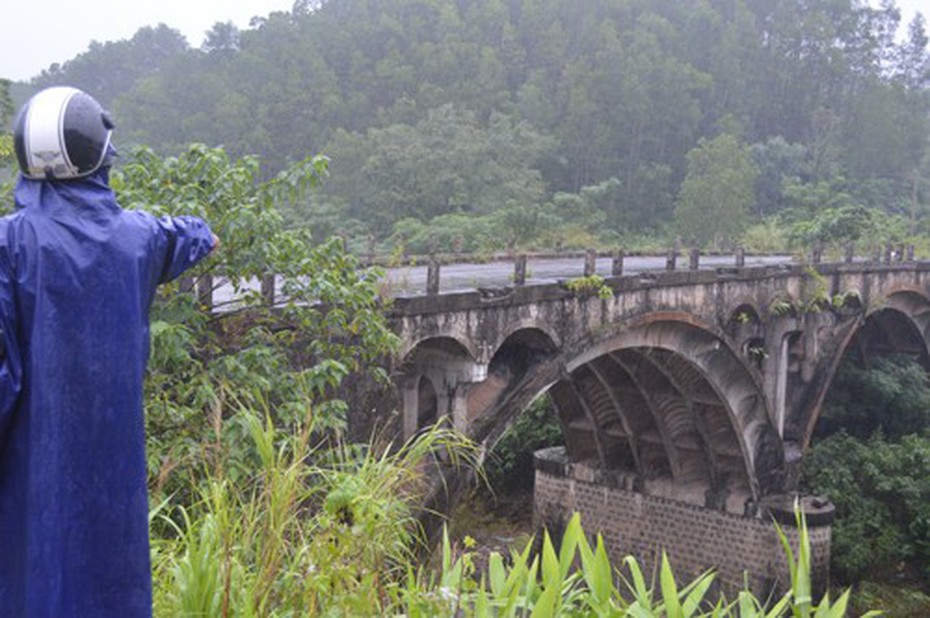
(590, 285)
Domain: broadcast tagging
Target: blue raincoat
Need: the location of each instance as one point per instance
(77, 277)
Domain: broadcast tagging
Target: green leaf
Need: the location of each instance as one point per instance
(641, 593)
(497, 575)
(551, 569)
(570, 538)
(669, 589)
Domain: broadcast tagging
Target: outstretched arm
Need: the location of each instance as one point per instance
(187, 240)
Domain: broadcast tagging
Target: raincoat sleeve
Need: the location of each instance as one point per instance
(187, 241)
(11, 366)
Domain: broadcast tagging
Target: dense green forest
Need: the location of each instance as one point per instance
(542, 123)
(488, 124)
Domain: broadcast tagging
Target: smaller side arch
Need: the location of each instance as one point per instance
(515, 357)
(447, 342)
(541, 329)
(906, 306)
(431, 379)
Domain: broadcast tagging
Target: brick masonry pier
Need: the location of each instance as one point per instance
(739, 548)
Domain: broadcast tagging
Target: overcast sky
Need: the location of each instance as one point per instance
(37, 33)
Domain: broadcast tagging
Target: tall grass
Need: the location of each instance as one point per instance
(332, 530)
(314, 530)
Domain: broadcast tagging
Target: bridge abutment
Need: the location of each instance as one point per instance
(740, 548)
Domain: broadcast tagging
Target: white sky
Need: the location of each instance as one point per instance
(36, 33)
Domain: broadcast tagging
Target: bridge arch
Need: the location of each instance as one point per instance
(439, 341)
(531, 327)
(706, 411)
(900, 324)
(430, 375)
(517, 356)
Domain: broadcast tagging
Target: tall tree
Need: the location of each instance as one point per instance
(714, 201)
(113, 68)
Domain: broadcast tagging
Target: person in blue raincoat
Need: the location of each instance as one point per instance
(77, 277)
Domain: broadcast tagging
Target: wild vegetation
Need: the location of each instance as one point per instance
(487, 124)
(871, 455)
(542, 123)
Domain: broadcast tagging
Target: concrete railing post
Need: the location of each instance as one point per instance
(817, 255)
(432, 276)
(910, 253)
(370, 247)
(849, 252)
(899, 253)
(205, 291)
(519, 270)
(616, 267)
(694, 261)
(268, 289)
(740, 257)
(671, 259)
(590, 262)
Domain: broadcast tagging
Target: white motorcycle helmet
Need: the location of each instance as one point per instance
(61, 133)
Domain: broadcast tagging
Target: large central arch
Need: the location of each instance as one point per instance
(665, 403)
(672, 402)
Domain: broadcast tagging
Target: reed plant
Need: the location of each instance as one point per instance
(315, 530)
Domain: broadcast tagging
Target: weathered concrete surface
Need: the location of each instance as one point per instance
(701, 388)
(712, 378)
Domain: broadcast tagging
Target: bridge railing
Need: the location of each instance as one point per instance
(214, 292)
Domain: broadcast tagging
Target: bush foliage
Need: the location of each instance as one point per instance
(873, 460)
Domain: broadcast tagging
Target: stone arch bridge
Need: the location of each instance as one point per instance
(696, 390)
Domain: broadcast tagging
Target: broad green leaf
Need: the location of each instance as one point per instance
(669, 589)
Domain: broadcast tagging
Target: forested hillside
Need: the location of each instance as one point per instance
(551, 122)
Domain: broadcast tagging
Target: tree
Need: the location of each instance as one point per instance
(837, 226)
(287, 358)
(871, 457)
(449, 162)
(6, 103)
(912, 64)
(107, 70)
(222, 37)
(622, 89)
(717, 192)
(7, 156)
(778, 162)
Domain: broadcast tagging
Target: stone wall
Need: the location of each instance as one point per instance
(695, 538)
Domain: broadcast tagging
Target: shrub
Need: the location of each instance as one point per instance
(510, 464)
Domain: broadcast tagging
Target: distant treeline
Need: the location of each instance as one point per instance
(551, 122)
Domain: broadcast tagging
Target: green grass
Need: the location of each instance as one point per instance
(332, 530)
